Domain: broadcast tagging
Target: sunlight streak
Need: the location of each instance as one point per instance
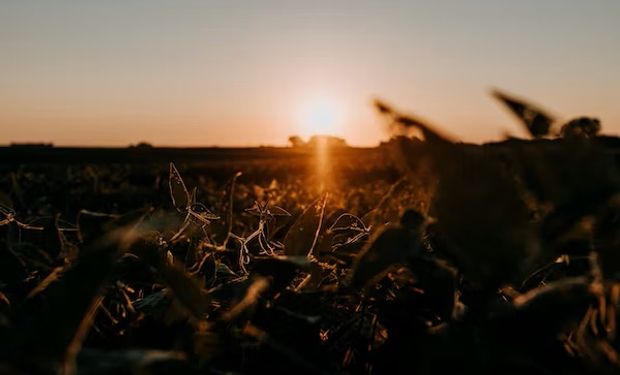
(322, 162)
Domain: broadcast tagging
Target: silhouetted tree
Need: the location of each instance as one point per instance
(581, 127)
(296, 141)
(142, 145)
(329, 140)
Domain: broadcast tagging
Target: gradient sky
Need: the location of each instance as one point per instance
(237, 72)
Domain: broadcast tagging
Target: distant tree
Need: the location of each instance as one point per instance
(296, 141)
(329, 140)
(31, 145)
(581, 127)
(142, 145)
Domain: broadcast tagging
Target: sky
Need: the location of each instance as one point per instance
(241, 73)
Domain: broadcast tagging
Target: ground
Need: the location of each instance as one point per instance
(424, 256)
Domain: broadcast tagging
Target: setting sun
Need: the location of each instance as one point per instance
(321, 116)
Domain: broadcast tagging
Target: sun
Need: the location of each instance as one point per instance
(320, 117)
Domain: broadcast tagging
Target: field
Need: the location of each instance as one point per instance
(428, 257)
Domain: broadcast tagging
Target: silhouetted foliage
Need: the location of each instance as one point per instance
(537, 122)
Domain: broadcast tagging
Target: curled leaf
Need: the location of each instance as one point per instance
(387, 248)
(181, 198)
(303, 235)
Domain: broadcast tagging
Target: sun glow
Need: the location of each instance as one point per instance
(320, 116)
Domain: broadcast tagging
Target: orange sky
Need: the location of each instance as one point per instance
(248, 73)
